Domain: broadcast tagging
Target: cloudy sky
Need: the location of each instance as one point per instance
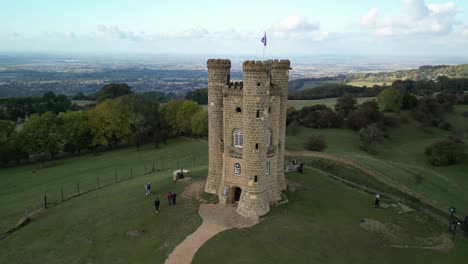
(363, 27)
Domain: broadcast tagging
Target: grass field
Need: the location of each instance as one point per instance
(402, 158)
(330, 102)
(368, 84)
(92, 228)
(321, 224)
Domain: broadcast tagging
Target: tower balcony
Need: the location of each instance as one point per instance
(235, 152)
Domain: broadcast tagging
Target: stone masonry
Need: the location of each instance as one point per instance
(247, 128)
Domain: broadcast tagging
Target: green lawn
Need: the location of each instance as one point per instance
(92, 228)
(402, 158)
(330, 102)
(24, 187)
(321, 224)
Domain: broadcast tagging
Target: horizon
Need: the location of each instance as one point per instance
(371, 28)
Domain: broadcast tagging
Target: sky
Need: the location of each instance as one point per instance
(353, 27)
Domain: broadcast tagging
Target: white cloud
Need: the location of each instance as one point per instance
(117, 33)
(296, 27)
(416, 18)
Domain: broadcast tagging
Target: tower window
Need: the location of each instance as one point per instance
(258, 84)
(269, 137)
(269, 109)
(237, 168)
(267, 168)
(238, 138)
(255, 178)
(258, 113)
(238, 110)
(256, 146)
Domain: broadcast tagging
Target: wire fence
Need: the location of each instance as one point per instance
(60, 194)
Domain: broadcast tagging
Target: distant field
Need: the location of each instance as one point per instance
(84, 102)
(368, 84)
(330, 102)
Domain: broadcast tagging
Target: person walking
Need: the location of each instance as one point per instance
(377, 201)
(148, 188)
(169, 198)
(174, 196)
(156, 204)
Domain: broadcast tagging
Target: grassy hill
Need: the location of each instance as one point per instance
(402, 158)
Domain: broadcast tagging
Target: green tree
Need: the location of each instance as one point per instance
(7, 129)
(345, 105)
(170, 110)
(184, 116)
(446, 152)
(110, 123)
(199, 95)
(42, 135)
(199, 123)
(113, 90)
(76, 131)
(370, 136)
(390, 99)
(367, 113)
(315, 143)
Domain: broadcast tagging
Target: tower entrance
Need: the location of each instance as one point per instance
(237, 194)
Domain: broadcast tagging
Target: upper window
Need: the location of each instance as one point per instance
(238, 138)
(237, 168)
(269, 137)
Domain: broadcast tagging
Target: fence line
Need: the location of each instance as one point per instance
(52, 198)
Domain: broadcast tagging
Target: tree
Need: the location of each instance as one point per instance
(369, 136)
(113, 90)
(184, 116)
(345, 105)
(199, 95)
(170, 110)
(7, 129)
(319, 116)
(409, 101)
(315, 143)
(367, 113)
(390, 99)
(56, 103)
(446, 152)
(42, 135)
(76, 131)
(292, 115)
(110, 123)
(199, 123)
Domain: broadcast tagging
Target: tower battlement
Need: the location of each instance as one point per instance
(247, 124)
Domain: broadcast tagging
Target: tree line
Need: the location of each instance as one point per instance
(128, 119)
(419, 88)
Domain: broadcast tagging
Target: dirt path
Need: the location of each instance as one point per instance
(216, 219)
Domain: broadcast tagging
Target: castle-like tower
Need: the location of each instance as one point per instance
(247, 128)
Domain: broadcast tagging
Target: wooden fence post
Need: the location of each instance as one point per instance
(45, 201)
(61, 193)
(78, 188)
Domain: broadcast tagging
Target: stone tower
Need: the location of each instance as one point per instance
(247, 124)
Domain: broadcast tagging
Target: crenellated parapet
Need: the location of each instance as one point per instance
(281, 64)
(219, 63)
(256, 66)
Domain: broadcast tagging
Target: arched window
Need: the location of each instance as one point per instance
(237, 168)
(238, 138)
(267, 168)
(269, 137)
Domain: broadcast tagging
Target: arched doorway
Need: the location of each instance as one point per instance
(237, 194)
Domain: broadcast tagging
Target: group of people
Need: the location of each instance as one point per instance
(299, 167)
(171, 197)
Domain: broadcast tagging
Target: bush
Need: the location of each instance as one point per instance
(319, 116)
(369, 136)
(445, 126)
(446, 152)
(316, 143)
(366, 114)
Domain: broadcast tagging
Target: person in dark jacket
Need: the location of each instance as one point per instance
(169, 198)
(156, 204)
(174, 196)
(377, 201)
